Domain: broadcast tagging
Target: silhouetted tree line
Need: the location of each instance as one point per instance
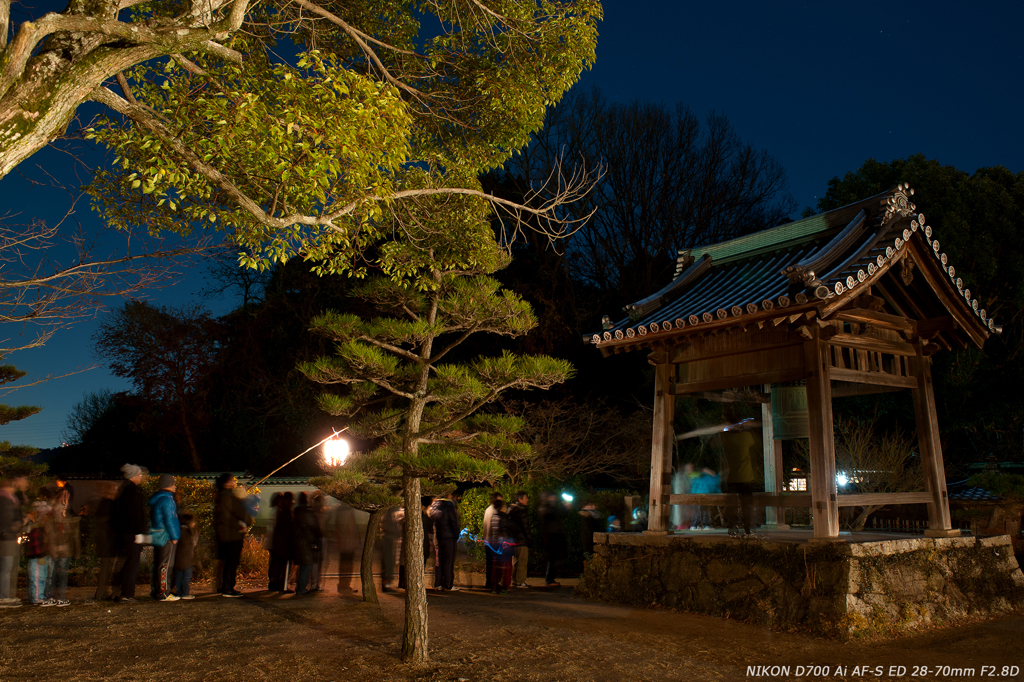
(669, 182)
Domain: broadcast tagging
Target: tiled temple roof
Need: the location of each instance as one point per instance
(822, 261)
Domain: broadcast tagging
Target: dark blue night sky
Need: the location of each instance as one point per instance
(821, 86)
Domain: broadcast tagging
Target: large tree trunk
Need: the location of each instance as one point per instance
(366, 562)
(862, 518)
(193, 452)
(56, 62)
(414, 639)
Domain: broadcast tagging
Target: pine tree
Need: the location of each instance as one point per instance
(406, 390)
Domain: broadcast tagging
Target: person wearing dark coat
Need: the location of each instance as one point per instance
(552, 534)
(519, 526)
(282, 544)
(106, 539)
(231, 522)
(11, 523)
(501, 544)
(445, 516)
(308, 542)
(130, 523)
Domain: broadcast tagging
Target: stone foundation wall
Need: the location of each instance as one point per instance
(833, 589)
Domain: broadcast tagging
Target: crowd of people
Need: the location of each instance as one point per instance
(122, 523)
(49, 535)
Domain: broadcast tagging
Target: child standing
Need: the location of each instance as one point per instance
(184, 558)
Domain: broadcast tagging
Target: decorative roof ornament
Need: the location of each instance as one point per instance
(898, 204)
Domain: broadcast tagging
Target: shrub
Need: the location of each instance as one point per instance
(255, 560)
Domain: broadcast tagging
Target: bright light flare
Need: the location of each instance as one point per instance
(842, 479)
(567, 497)
(335, 451)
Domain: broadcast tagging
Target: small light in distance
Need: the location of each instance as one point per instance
(567, 497)
(842, 479)
(335, 451)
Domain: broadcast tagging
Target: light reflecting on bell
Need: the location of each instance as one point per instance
(335, 451)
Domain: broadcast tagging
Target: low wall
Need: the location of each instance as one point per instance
(834, 589)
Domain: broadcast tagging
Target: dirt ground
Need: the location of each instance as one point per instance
(534, 634)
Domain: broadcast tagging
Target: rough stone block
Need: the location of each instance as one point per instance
(705, 596)
(719, 571)
(994, 541)
(767, 576)
(741, 590)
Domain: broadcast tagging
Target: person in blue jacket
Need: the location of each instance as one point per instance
(707, 482)
(165, 530)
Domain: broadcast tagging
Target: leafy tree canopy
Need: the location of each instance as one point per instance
(385, 105)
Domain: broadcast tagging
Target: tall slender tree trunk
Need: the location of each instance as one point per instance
(414, 639)
(193, 452)
(366, 562)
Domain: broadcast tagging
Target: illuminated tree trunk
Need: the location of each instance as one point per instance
(414, 640)
(366, 563)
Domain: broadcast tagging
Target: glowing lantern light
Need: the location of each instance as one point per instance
(335, 451)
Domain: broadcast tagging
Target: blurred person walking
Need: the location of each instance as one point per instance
(318, 505)
(282, 544)
(130, 523)
(106, 539)
(391, 526)
(447, 528)
(165, 530)
(519, 526)
(36, 553)
(308, 543)
(489, 553)
(231, 522)
(552, 534)
(501, 545)
(11, 523)
(64, 541)
(347, 536)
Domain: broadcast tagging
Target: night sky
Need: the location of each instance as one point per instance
(821, 86)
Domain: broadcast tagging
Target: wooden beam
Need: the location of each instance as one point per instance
(739, 381)
(661, 446)
(882, 320)
(846, 390)
(732, 499)
(734, 396)
(739, 344)
(872, 378)
(869, 343)
(772, 451)
(822, 477)
(866, 499)
(950, 299)
(930, 445)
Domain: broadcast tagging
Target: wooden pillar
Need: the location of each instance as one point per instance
(822, 476)
(662, 440)
(939, 523)
(775, 517)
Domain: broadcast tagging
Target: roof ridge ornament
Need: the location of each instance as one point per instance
(898, 205)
